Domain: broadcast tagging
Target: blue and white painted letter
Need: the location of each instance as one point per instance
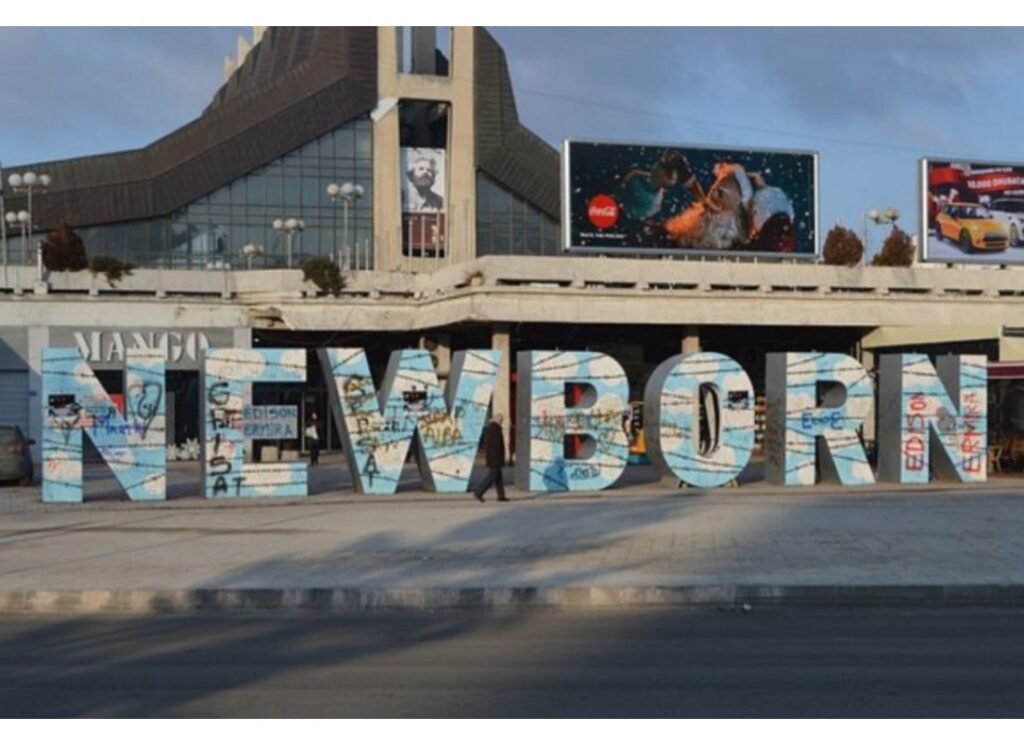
(672, 404)
(798, 429)
(543, 421)
(379, 428)
(918, 414)
(133, 445)
(225, 472)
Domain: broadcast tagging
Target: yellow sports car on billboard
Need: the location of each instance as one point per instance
(972, 228)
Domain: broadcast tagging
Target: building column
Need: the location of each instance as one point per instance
(691, 339)
(867, 360)
(501, 340)
(38, 340)
(440, 348)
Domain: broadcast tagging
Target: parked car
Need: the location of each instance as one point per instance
(971, 227)
(15, 456)
(1010, 212)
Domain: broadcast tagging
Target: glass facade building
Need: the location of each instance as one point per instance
(509, 225)
(211, 231)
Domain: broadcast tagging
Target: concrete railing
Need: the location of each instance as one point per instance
(570, 274)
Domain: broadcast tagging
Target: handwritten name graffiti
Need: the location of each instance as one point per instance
(229, 421)
(944, 405)
(973, 445)
(699, 419)
(443, 425)
(544, 378)
(797, 421)
(916, 430)
(75, 405)
(270, 423)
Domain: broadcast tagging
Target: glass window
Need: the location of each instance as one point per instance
(344, 143)
(255, 189)
(221, 197)
(275, 191)
(217, 225)
(506, 223)
(313, 195)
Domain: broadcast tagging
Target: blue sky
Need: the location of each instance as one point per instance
(870, 101)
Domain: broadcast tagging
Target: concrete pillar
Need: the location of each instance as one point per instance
(867, 359)
(457, 90)
(440, 348)
(501, 340)
(241, 338)
(38, 340)
(691, 339)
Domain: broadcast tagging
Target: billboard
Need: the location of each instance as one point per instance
(972, 212)
(423, 201)
(626, 198)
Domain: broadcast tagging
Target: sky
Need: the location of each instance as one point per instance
(870, 101)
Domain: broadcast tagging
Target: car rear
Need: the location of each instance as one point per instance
(15, 456)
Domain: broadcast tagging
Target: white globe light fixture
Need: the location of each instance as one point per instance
(288, 227)
(346, 194)
(22, 183)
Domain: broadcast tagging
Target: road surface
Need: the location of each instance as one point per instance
(782, 662)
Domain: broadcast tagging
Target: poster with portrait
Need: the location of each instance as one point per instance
(424, 205)
(972, 213)
(627, 199)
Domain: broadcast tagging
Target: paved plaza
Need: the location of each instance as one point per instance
(631, 544)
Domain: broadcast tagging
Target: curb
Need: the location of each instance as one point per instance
(358, 599)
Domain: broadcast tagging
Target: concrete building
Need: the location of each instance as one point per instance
(479, 266)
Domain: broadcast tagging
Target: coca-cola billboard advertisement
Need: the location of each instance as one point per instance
(629, 199)
(972, 213)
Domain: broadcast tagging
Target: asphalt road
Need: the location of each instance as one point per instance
(791, 662)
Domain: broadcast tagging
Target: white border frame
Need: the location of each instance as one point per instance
(922, 211)
(569, 248)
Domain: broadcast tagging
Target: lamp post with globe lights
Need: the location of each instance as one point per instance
(28, 183)
(249, 250)
(19, 220)
(888, 216)
(288, 227)
(346, 193)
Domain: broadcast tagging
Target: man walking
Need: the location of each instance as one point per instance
(494, 458)
(313, 439)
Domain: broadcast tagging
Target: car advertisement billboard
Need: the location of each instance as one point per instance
(681, 199)
(972, 212)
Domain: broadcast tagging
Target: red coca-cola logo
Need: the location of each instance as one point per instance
(603, 211)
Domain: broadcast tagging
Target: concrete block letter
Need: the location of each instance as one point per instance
(922, 410)
(816, 404)
(225, 472)
(544, 421)
(132, 444)
(704, 451)
(379, 429)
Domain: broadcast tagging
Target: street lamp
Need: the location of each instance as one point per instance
(24, 183)
(346, 193)
(249, 250)
(288, 227)
(888, 216)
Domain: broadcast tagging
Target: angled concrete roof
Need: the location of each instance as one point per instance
(295, 85)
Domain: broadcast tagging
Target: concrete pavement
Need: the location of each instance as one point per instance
(639, 545)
